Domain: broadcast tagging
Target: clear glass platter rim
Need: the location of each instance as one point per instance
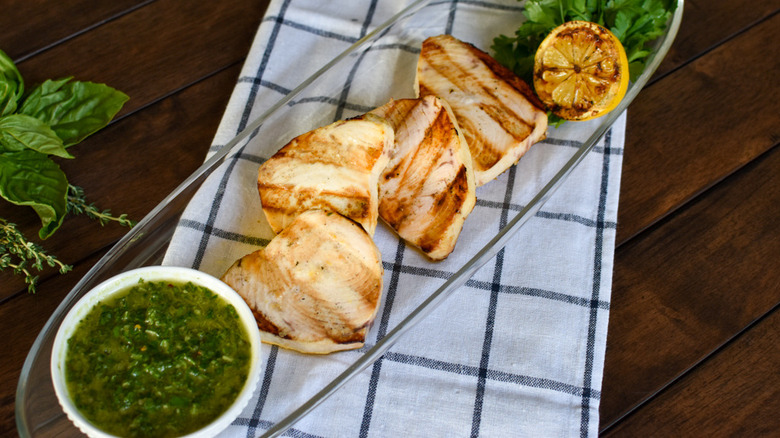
(441, 294)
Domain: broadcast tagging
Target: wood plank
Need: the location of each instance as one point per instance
(170, 153)
(708, 23)
(681, 143)
(668, 310)
(29, 26)
(736, 393)
(148, 56)
(204, 38)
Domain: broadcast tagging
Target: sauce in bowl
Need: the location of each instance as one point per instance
(157, 358)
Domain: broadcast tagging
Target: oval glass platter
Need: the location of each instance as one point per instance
(345, 87)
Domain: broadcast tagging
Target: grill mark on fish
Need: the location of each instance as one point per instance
(507, 76)
(337, 319)
(428, 189)
(498, 112)
(500, 73)
(265, 325)
(419, 167)
(493, 107)
(450, 203)
(335, 167)
(276, 200)
(485, 153)
(317, 285)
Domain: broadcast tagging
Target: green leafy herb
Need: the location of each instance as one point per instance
(73, 109)
(634, 23)
(34, 127)
(11, 85)
(31, 178)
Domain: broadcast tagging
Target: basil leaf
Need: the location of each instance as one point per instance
(74, 110)
(11, 85)
(19, 132)
(31, 178)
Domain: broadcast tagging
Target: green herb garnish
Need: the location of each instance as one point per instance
(160, 359)
(35, 126)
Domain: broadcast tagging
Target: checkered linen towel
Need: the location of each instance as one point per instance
(519, 349)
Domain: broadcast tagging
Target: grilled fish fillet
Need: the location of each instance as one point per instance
(427, 189)
(497, 111)
(316, 287)
(335, 167)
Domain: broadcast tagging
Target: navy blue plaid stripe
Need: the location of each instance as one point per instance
(384, 323)
(568, 217)
(261, 69)
(223, 234)
(494, 375)
(492, 309)
(342, 101)
(423, 272)
(268, 373)
(254, 424)
(271, 362)
(339, 103)
(284, 91)
(312, 30)
(451, 18)
(208, 228)
(594, 310)
(482, 4)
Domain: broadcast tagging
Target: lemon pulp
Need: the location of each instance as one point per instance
(580, 71)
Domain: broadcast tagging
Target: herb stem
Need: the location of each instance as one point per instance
(20, 255)
(77, 204)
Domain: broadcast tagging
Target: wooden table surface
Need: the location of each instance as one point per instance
(693, 345)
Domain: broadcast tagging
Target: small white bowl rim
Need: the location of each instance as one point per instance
(155, 273)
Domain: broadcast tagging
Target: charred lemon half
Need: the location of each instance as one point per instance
(580, 71)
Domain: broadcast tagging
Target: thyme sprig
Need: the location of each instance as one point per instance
(77, 204)
(22, 255)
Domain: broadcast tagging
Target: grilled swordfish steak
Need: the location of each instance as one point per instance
(315, 287)
(334, 167)
(497, 111)
(427, 189)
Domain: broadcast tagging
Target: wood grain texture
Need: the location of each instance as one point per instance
(28, 27)
(720, 398)
(155, 50)
(689, 284)
(709, 23)
(690, 131)
(148, 72)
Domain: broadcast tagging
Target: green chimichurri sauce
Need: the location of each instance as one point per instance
(159, 360)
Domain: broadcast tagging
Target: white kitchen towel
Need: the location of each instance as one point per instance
(519, 349)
